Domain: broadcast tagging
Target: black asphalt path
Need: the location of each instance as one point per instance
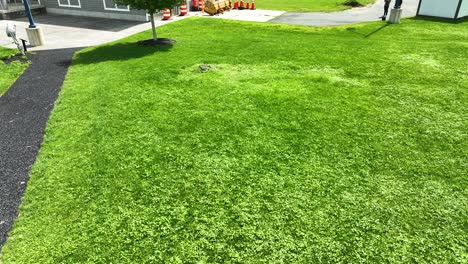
(24, 111)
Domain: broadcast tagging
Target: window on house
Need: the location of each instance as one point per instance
(70, 3)
(111, 5)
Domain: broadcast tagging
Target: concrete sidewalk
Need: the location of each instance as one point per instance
(350, 16)
(62, 32)
(257, 15)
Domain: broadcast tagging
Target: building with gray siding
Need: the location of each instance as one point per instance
(94, 8)
(90, 8)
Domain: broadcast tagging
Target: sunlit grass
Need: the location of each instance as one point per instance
(297, 145)
(9, 72)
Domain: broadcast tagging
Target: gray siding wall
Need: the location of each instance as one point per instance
(92, 8)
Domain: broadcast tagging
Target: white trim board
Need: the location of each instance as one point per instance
(115, 8)
(69, 5)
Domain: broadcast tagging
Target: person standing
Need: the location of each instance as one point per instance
(386, 7)
(398, 4)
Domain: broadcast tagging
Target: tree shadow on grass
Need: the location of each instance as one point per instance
(439, 19)
(117, 52)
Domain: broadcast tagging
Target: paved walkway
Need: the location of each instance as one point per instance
(257, 15)
(350, 16)
(61, 31)
(24, 111)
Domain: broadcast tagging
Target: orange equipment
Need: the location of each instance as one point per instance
(201, 5)
(216, 7)
(183, 9)
(166, 14)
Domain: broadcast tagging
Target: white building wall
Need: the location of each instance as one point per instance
(439, 8)
(463, 9)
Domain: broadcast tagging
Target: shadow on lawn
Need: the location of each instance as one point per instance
(117, 52)
(377, 30)
(353, 30)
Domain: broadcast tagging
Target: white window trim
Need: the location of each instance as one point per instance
(115, 8)
(75, 6)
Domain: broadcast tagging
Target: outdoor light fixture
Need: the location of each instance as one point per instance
(11, 33)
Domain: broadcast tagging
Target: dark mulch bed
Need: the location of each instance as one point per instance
(158, 42)
(24, 111)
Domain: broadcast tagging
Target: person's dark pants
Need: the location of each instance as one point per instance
(398, 4)
(387, 5)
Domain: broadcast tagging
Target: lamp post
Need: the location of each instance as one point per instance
(35, 35)
(27, 8)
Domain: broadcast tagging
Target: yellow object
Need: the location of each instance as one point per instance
(214, 7)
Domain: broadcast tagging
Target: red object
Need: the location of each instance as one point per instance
(201, 5)
(248, 5)
(236, 5)
(241, 6)
(253, 5)
(183, 9)
(194, 3)
(166, 14)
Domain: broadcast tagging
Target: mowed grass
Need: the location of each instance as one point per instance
(9, 72)
(300, 145)
(306, 5)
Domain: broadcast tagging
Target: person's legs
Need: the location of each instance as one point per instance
(398, 4)
(387, 5)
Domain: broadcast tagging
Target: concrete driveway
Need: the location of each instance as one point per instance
(258, 15)
(71, 31)
(62, 32)
(350, 16)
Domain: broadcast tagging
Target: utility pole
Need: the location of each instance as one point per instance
(27, 8)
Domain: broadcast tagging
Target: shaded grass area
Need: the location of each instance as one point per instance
(300, 144)
(9, 72)
(310, 5)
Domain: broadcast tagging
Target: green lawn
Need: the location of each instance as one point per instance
(9, 73)
(300, 145)
(306, 5)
